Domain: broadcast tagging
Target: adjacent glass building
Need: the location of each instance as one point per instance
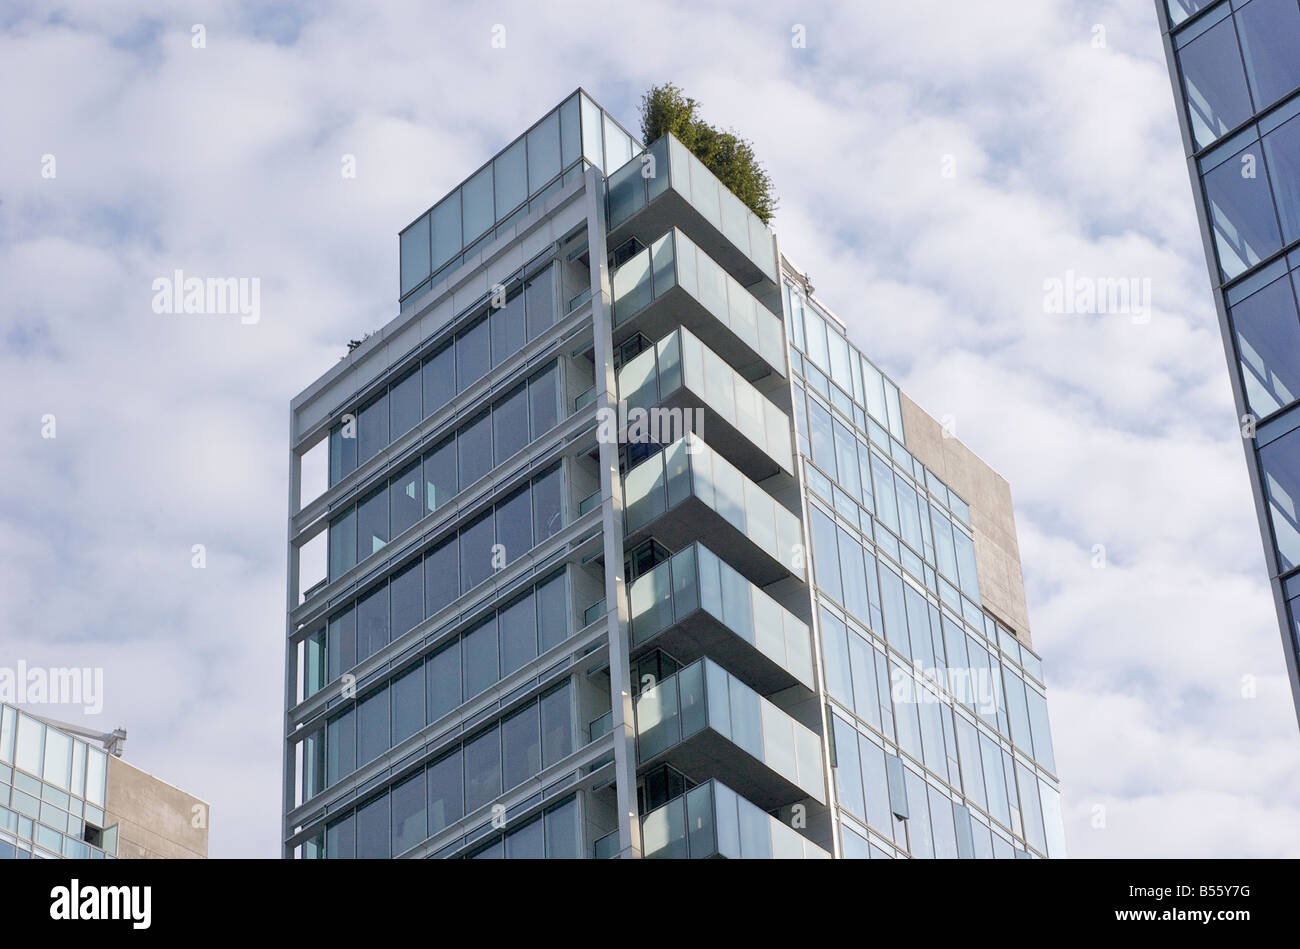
(1235, 67)
(773, 611)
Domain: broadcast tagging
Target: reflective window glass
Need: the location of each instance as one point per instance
(404, 405)
(474, 450)
(1270, 37)
(438, 376)
(443, 681)
(372, 622)
(476, 543)
(441, 576)
(1214, 82)
(473, 355)
(1241, 212)
(1267, 330)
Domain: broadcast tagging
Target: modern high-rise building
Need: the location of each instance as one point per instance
(625, 550)
(1235, 66)
(61, 796)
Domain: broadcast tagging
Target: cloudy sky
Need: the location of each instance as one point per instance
(1059, 132)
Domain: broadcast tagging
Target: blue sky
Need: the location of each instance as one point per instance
(225, 160)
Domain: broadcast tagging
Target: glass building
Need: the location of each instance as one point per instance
(1235, 67)
(62, 797)
(611, 543)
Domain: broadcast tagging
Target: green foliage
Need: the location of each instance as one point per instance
(666, 109)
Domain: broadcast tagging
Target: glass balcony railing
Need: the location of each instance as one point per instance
(589, 503)
(704, 721)
(606, 848)
(697, 604)
(708, 299)
(762, 538)
(712, 820)
(667, 185)
(680, 372)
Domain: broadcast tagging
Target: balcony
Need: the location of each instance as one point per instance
(696, 604)
(680, 373)
(712, 820)
(672, 283)
(666, 186)
(689, 492)
(706, 723)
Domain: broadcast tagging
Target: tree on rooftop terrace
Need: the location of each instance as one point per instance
(731, 158)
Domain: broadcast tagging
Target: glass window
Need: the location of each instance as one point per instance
(374, 721)
(446, 230)
(474, 449)
(526, 843)
(343, 453)
(406, 599)
(482, 769)
(521, 746)
(1282, 146)
(593, 147)
(442, 681)
(563, 836)
(510, 424)
(343, 543)
(1270, 36)
(372, 523)
(552, 612)
(507, 328)
(548, 511)
(476, 542)
(1215, 83)
(341, 643)
(854, 579)
(518, 623)
(415, 254)
(826, 558)
(543, 401)
(341, 839)
(823, 443)
(408, 703)
(404, 404)
(438, 376)
(408, 800)
(1280, 464)
(511, 178)
(514, 529)
(557, 725)
(544, 151)
(839, 681)
(441, 576)
(373, 833)
(473, 355)
(58, 758)
(440, 475)
(476, 204)
(341, 746)
(539, 303)
(1241, 211)
(405, 498)
(479, 647)
(446, 792)
(372, 428)
(372, 622)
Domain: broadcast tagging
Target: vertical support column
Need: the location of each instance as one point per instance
(290, 604)
(623, 725)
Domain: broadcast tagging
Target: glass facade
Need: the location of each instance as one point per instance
(798, 620)
(1235, 65)
(52, 793)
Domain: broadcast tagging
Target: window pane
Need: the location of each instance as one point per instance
(1267, 328)
(1280, 462)
(415, 254)
(1217, 99)
(441, 576)
(442, 681)
(539, 303)
(1282, 146)
(557, 726)
(341, 644)
(476, 201)
(341, 746)
(408, 704)
(543, 401)
(552, 612)
(405, 500)
(341, 839)
(474, 450)
(1270, 37)
(404, 407)
(521, 746)
(511, 179)
(507, 329)
(372, 622)
(563, 838)
(406, 599)
(58, 758)
(518, 623)
(440, 475)
(1241, 212)
(343, 453)
(544, 152)
(446, 230)
(446, 792)
(408, 800)
(472, 355)
(373, 724)
(372, 428)
(476, 553)
(372, 523)
(482, 769)
(373, 840)
(526, 842)
(548, 514)
(343, 544)
(514, 529)
(510, 424)
(439, 379)
(479, 648)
